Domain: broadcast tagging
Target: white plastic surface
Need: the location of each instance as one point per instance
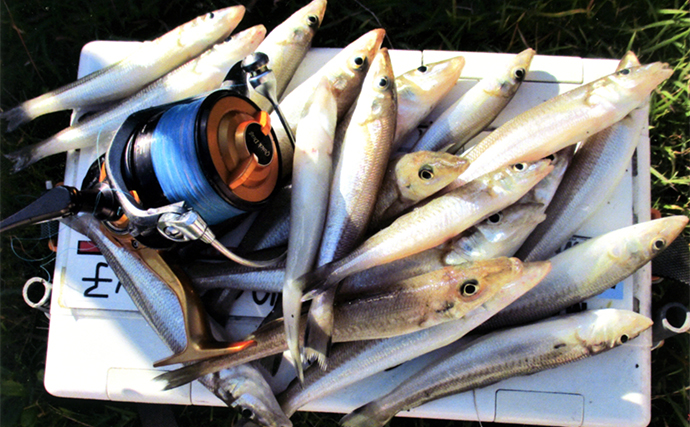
(101, 348)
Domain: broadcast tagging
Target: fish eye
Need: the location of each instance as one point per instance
(469, 288)
(519, 167)
(211, 15)
(659, 244)
(551, 157)
(495, 218)
(426, 172)
(624, 339)
(358, 62)
(519, 74)
(422, 68)
(624, 71)
(313, 21)
(382, 83)
(246, 413)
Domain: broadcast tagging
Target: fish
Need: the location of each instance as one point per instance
(595, 172)
(563, 120)
(420, 90)
(411, 178)
(498, 235)
(504, 354)
(158, 304)
(410, 305)
(545, 189)
(286, 46)
(362, 148)
(196, 77)
(312, 167)
(353, 361)
(591, 267)
(477, 108)
(345, 72)
(146, 63)
(230, 275)
(441, 219)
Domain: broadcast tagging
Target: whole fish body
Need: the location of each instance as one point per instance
(589, 268)
(353, 361)
(563, 120)
(596, 170)
(286, 45)
(411, 305)
(345, 72)
(362, 148)
(505, 354)
(411, 178)
(434, 223)
(312, 167)
(148, 62)
(158, 304)
(477, 108)
(197, 76)
(420, 90)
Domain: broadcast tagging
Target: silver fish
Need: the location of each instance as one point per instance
(197, 76)
(505, 354)
(351, 362)
(420, 90)
(148, 62)
(312, 167)
(287, 44)
(242, 385)
(563, 120)
(477, 108)
(596, 170)
(230, 275)
(590, 268)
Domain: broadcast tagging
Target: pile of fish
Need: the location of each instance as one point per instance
(399, 254)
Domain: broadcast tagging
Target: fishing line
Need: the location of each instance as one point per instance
(476, 407)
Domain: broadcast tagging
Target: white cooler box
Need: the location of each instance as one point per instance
(100, 347)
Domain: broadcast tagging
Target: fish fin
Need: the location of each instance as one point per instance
(358, 418)
(20, 158)
(319, 332)
(15, 117)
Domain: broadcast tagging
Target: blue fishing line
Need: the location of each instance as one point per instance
(176, 165)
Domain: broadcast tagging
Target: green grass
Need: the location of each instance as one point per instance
(39, 48)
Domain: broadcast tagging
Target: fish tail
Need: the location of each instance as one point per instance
(319, 332)
(317, 281)
(292, 305)
(361, 417)
(20, 159)
(16, 117)
(184, 375)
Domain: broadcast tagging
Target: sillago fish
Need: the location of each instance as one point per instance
(589, 268)
(505, 354)
(353, 361)
(420, 90)
(563, 120)
(434, 223)
(286, 45)
(311, 170)
(596, 170)
(545, 189)
(498, 235)
(411, 305)
(230, 275)
(477, 108)
(362, 147)
(411, 178)
(197, 76)
(241, 385)
(146, 63)
(345, 72)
